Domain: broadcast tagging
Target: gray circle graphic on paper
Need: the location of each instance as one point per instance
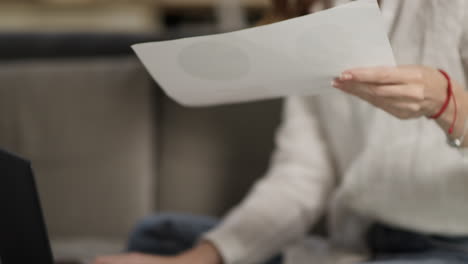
(214, 60)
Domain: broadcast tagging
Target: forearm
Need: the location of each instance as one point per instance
(263, 225)
(446, 120)
(286, 202)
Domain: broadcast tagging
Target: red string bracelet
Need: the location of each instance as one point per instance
(450, 95)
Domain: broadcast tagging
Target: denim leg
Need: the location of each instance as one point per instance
(428, 257)
(168, 234)
(395, 246)
(276, 260)
(171, 234)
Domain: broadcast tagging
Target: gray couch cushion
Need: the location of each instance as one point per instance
(209, 157)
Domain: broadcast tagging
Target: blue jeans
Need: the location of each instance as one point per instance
(171, 234)
(396, 246)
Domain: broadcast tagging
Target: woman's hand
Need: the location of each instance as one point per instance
(204, 253)
(135, 258)
(405, 92)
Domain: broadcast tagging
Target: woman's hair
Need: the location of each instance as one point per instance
(285, 9)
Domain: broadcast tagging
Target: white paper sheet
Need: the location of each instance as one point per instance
(299, 56)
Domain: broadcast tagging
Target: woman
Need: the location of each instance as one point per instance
(394, 191)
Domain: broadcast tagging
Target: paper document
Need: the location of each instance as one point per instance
(300, 56)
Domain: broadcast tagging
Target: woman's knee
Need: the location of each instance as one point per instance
(141, 237)
(168, 230)
(173, 222)
(149, 223)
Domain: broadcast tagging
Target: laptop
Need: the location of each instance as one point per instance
(23, 235)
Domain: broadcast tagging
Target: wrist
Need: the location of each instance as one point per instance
(436, 100)
(446, 120)
(449, 111)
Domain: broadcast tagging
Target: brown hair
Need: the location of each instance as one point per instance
(285, 9)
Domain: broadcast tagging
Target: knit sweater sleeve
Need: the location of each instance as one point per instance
(283, 205)
(464, 40)
(464, 55)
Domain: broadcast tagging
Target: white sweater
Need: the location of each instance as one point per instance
(339, 156)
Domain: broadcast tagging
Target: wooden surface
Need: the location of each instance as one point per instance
(116, 17)
(169, 3)
(209, 3)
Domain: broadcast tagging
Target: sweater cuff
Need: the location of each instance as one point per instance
(230, 248)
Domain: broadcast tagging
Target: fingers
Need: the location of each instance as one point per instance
(408, 92)
(130, 258)
(383, 75)
(402, 101)
(404, 110)
(111, 260)
(134, 258)
(402, 92)
(102, 260)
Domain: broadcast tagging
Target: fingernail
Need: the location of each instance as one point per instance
(346, 76)
(335, 84)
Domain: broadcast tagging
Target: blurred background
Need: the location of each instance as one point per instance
(131, 16)
(107, 145)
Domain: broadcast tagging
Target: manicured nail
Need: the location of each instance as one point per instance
(346, 76)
